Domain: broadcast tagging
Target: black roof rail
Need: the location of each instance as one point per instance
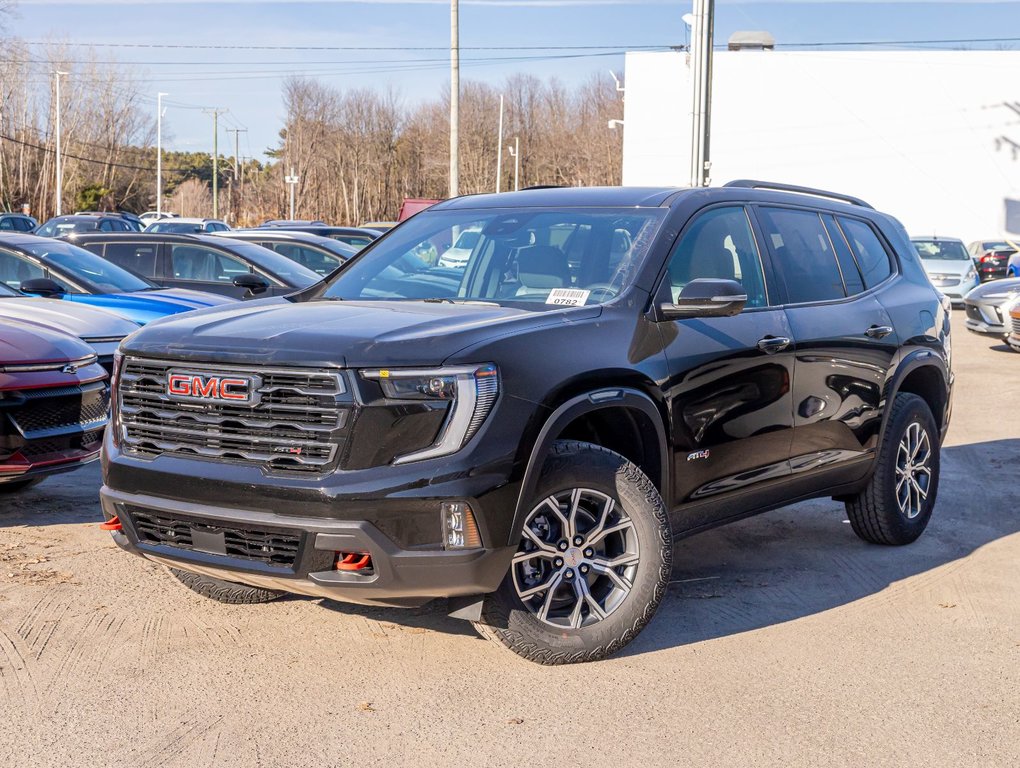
(542, 186)
(752, 184)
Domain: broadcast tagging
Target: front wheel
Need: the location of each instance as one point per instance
(593, 563)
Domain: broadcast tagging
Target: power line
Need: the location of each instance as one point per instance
(207, 47)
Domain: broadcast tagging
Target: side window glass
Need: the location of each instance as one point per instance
(804, 256)
(139, 258)
(868, 249)
(106, 225)
(719, 244)
(204, 264)
(847, 263)
(7, 223)
(14, 270)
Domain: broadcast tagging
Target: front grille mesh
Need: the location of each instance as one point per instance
(277, 548)
(1016, 324)
(58, 411)
(296, 427)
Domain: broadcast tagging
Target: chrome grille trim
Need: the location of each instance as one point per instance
(297, 426)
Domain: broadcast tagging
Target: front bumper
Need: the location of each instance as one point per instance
(205, 540)
(985, 318)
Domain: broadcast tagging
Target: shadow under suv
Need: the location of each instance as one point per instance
(612, 369)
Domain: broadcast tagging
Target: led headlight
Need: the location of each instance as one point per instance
(971, 274)
(471, 392)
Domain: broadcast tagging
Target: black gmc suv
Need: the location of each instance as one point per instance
(529, 434)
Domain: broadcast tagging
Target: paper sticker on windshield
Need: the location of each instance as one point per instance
(567, 297)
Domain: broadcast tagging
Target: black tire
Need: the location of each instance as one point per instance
(225, 591)
(877, 515)
(20, 485)
(590, 472)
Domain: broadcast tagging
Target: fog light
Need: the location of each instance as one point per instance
(460, 531)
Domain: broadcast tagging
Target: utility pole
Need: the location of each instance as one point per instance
(702, 34)
(215, 160)
(292, 181)
(454, 98)
(499, 150)
(234, 196)
(515, 153)
(159, 152)
(60, 171)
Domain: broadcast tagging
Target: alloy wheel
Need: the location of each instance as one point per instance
(577, 560)
(913, 470)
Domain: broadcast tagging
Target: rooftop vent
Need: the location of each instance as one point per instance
(751, 41)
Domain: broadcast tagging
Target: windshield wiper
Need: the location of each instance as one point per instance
(439, 301)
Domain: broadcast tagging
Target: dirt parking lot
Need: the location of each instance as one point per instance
(784, 640)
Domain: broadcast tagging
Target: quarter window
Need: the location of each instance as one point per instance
(868, 249)
(804, 255)
(719, 244)
(14, 270)
(847, 264)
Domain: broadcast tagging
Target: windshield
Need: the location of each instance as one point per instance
(84, 266)
(290, 272)
(178, 227)
(60, 227)
(6, 291)
(537, 257)
(946, 250)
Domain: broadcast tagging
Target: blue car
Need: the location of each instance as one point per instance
(41, 266)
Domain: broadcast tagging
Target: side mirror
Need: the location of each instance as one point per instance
(255, 284)
(706, 297)
(42, 286)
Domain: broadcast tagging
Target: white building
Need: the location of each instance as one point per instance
(932, 137)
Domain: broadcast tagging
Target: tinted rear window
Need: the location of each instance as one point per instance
(804, 255)
(871, 254)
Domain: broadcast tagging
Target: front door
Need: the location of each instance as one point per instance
(729, 391)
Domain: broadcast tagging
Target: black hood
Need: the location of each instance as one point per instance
(337, 333)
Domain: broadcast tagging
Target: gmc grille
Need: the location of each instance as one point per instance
(275, 547)
(298, 426)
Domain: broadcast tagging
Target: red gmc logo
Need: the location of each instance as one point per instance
(203, 387)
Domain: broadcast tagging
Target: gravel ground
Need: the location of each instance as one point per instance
(783, 641)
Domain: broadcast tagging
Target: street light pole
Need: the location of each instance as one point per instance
(454, 98)
(60, 171)
(159, 153)
(292, 181)
(515, 153)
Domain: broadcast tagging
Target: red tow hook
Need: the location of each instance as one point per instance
(353, 561)
(113, 524)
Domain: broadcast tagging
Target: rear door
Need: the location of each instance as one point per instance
(202, 268)
(845, 342)
(729, 391)
(140, 258)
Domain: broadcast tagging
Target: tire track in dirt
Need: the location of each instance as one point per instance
(41, 622)
(167, 748)
(19, 683)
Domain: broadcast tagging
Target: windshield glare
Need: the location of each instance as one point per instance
(537, 257)
(946, 250)
(104, 276)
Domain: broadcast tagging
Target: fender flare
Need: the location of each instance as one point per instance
(921, 358)
(589, 402)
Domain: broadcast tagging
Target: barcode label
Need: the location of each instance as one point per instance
(567, 297)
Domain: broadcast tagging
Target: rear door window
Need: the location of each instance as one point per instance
(804, 256)
(871, 254)
(140, 258)
(191, 262)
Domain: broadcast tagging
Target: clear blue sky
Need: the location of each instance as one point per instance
(248, 82)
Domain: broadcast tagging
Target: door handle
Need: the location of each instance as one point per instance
(878, 331)
(773, 344)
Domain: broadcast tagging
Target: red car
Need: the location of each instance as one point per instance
(54, 403)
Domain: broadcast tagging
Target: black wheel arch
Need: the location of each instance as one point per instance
(587, 410)
(924, 373)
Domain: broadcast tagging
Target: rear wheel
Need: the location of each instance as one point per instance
(896, 505)
(593, 563)
(224, 591)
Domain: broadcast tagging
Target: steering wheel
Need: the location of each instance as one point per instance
(600, 292)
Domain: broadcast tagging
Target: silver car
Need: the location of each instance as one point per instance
(949, 266)
(988, 306)
(100, 329)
